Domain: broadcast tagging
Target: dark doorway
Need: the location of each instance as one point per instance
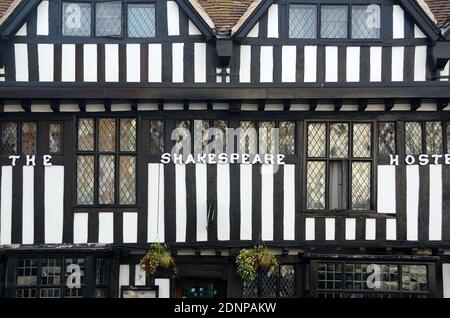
(200, 288)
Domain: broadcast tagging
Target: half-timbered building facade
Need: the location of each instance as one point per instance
(357, 90)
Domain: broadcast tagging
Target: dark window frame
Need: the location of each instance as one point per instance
(424, 138)
(124, 18)
(349, 159)
(47, 138)
(259, 278)
(344, 291)
(61, 286)
(349, 4)
(96, 153)
(19, 140)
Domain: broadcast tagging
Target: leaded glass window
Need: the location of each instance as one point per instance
(287, 137)
(317, 140)
(315, 185)
(201, 136)
(339, 168)
(366, 21)
(106, 169)
(413, 138)
(334, 22)
(248, 139)
(222, 126)
(281, 283)
(361, 178)
(108, 18)
(303, 21)
(339, 140)
(128, 134)
(9, 139)
(386, 138)
(156, 137)
(76, 19)
(141, 20)
(362, 140)
(266, 137)
(29, 138)
(55, 135)
(184, 136)
(434, 137)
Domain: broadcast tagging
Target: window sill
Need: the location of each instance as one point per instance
(347, 214)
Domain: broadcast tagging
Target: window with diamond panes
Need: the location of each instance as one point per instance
(287, 137)
(303, 21)
(334, 22)
(413, 138)
(315, 185)
(183, 141)
(266, 137)
(47, 277)
(362, 140)
(9, 138)
(76, 18)
(434, 137)
(55, 138)
(221, 127)
(108, 18)
(156, 137)
(366, 21)
(29, 138)
(141, 20)
(248, 138)
(106, 161)
(338, 177)
(281, 283)
(201, 138)
(386, 138)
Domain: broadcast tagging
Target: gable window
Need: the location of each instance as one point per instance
(108, 18)
(76, 19)
(366, 22)
(303, 21)
(141, 20)
(307, 21)
(334, 22)
(106, 161)
(339, 166)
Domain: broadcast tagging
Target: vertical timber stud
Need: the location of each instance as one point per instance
(400, 182)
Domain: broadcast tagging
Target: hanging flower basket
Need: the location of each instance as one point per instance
(157, 257)
(251, 261)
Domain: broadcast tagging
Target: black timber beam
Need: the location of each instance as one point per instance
(37, 91)
(16, 19)
(250, 22)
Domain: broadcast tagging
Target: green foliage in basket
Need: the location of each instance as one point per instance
(250, 261)
(157, 257)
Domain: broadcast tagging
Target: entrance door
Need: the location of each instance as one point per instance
(200, 288)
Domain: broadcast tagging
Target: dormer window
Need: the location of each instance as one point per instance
(109, 19)
(308, 21)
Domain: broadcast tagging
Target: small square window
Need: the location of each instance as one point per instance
(366, 21)
(303, 21)
(108, 18)
(334, 22)
(141, 20)
(76, 19)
